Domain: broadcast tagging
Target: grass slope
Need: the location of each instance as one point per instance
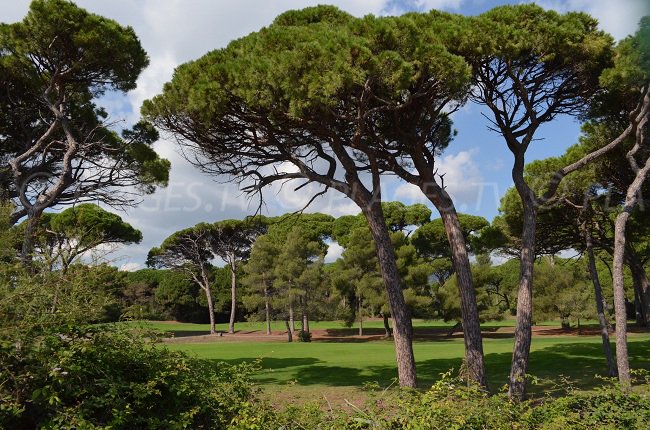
(348, 364)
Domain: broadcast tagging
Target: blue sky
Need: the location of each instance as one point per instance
(477, 164)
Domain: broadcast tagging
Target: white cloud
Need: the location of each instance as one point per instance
(397, 7)
(620, 18)
(334, 252)
(130, 267)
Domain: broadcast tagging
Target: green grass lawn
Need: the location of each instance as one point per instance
(348, 364)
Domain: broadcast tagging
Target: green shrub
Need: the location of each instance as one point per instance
(110, 377)
(304, 336)
(450, 404)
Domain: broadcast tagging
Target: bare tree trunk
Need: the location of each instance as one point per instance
(622, 359)
(631, 198)
(289, 331)
(233, 295)
(360, 316)
(27, 251)
(389, 332)
(205, 286)
(474, 362)
(474, 359)
(523, 328)
(402, 326)
(267, 310)
(305, 314)
(291, 320)
(600, 303)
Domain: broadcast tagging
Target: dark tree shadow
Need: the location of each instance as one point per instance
(579, 362)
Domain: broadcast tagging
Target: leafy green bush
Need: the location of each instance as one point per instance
(59, 369)
(450, 404)
(304, 336)
(111, 377)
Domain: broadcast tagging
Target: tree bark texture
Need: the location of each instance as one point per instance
(523, 327)
(631, 199)
(474, 362)
(402, 325)
(622, 359)
(292, 323)
(474, 358)
(600, 303)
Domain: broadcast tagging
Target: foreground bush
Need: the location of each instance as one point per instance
(107, 377)
(451, 405)
(59, 369)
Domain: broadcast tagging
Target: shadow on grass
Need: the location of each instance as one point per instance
(579, 362)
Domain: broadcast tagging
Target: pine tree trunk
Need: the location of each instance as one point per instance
(305, 314)
(402, 326)
(27, 251)
(208, 296)
(389, 332)
(360, 317)
(622, 360)
(292, 326)
(233, 296)
(600, 303)
(305, 322)
(289, 331)
(631, 198)
(267, 310)
(474, 358)
(523, 327)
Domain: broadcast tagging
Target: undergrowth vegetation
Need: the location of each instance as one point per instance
(451, 404)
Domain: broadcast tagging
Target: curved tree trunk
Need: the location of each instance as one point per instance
(523, 327)
(600, 303)
(233, 296)
(631, 199)
(205, 286)
(474, 358)
(208, 296)
(402, 325)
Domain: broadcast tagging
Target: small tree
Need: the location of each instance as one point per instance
(62, 238)
(529, 66)
(294, 280)
(231, 240)
(189, 251)
(259, 276)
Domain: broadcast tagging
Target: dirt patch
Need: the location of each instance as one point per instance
(350, 335)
